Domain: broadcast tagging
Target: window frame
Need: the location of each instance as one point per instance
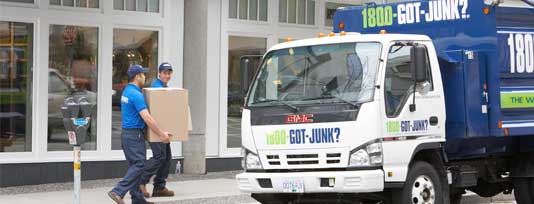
(305, 24)
(403, 103)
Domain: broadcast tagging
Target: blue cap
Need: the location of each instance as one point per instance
(135, 70)
(165, 66)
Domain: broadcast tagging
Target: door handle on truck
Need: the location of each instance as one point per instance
(433, 120)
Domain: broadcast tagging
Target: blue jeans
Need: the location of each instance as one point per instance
(158, 165)
(133, 145)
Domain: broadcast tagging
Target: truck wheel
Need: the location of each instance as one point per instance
(524, 190)
(423, 185)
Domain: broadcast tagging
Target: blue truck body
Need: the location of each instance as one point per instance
(486, 56)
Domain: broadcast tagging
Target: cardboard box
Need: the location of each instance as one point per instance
(170, 108)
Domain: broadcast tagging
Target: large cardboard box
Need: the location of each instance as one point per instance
(170, 108)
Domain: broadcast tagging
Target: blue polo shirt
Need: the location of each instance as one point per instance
(157, 84)
(132, 102)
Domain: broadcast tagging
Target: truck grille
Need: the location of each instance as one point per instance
(303, 159)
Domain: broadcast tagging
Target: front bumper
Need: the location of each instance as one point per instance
(361, 181)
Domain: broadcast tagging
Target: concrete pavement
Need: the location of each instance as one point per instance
(213, 188)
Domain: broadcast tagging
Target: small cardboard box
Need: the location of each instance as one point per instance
(170, 108)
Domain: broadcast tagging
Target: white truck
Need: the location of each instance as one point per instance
(394, 118)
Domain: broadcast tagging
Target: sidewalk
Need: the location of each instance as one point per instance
(210, 188)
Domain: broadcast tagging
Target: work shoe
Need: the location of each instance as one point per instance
(115, 197)
(163, 193)
(143, 190)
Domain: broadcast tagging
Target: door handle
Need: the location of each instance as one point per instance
(433, 120)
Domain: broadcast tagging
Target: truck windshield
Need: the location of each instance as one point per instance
(332, 73)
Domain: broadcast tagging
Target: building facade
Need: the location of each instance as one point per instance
(51, 49)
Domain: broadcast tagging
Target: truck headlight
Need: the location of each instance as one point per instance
(367, 155)
(250, 160)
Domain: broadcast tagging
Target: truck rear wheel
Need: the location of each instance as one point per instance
(423, 185)
(524, 190)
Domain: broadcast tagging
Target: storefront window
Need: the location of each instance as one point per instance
(72, 71)
(241, 50)
(130, 47)
(16, 53)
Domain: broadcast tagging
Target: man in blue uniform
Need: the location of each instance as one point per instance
(159, 163)
(134, 116)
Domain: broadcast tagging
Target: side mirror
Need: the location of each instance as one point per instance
(419, 63)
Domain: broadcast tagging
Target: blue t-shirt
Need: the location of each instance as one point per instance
(157, 84)
(132, 102)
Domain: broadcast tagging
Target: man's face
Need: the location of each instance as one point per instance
(165, 76)
(141, 79)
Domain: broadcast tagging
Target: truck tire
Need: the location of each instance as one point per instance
(524, 190)
(423, 185)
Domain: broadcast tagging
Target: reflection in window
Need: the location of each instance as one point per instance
(72, 71)
(137, 5)
(16, 53)
(240, 48)
(248, 9)
(130, 47)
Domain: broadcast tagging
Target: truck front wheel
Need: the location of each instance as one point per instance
(423, 185)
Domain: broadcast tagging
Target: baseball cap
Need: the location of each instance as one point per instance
(165, 66)
(135, 70)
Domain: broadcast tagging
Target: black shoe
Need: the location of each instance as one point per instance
(115, 197)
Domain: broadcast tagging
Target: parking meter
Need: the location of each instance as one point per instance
(76, 113)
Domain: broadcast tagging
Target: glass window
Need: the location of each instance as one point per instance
(130, 47)
(310, 14)
(243, 9)
(118, 4)
(263, 10)
(55, 2)
(18, 1)
(142, 5)
(338, 73)
(297, 11)
(292, 11)
(253, 10)
(282, 11)
(331, 8)
(136, 5)
(248, 9)
(240, 49)
(16, 54)
(72, 71)
(68, 3)
(232, 9)
(398, 82)
(153, 6)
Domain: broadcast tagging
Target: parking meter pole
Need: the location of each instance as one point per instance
(77, 174)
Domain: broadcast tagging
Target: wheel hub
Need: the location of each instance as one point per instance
(423, 191)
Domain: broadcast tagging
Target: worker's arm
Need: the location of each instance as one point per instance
(149, 120)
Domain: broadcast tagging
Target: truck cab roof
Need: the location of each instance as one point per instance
(381, 38)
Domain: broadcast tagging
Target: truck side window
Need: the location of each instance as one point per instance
(398, 82)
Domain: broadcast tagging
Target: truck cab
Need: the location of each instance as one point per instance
(330, 114)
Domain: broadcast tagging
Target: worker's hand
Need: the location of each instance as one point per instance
(166, 137)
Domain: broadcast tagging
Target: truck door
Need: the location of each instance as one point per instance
(476, 93)
(428, 116)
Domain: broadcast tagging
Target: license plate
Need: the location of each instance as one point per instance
(293, 186)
